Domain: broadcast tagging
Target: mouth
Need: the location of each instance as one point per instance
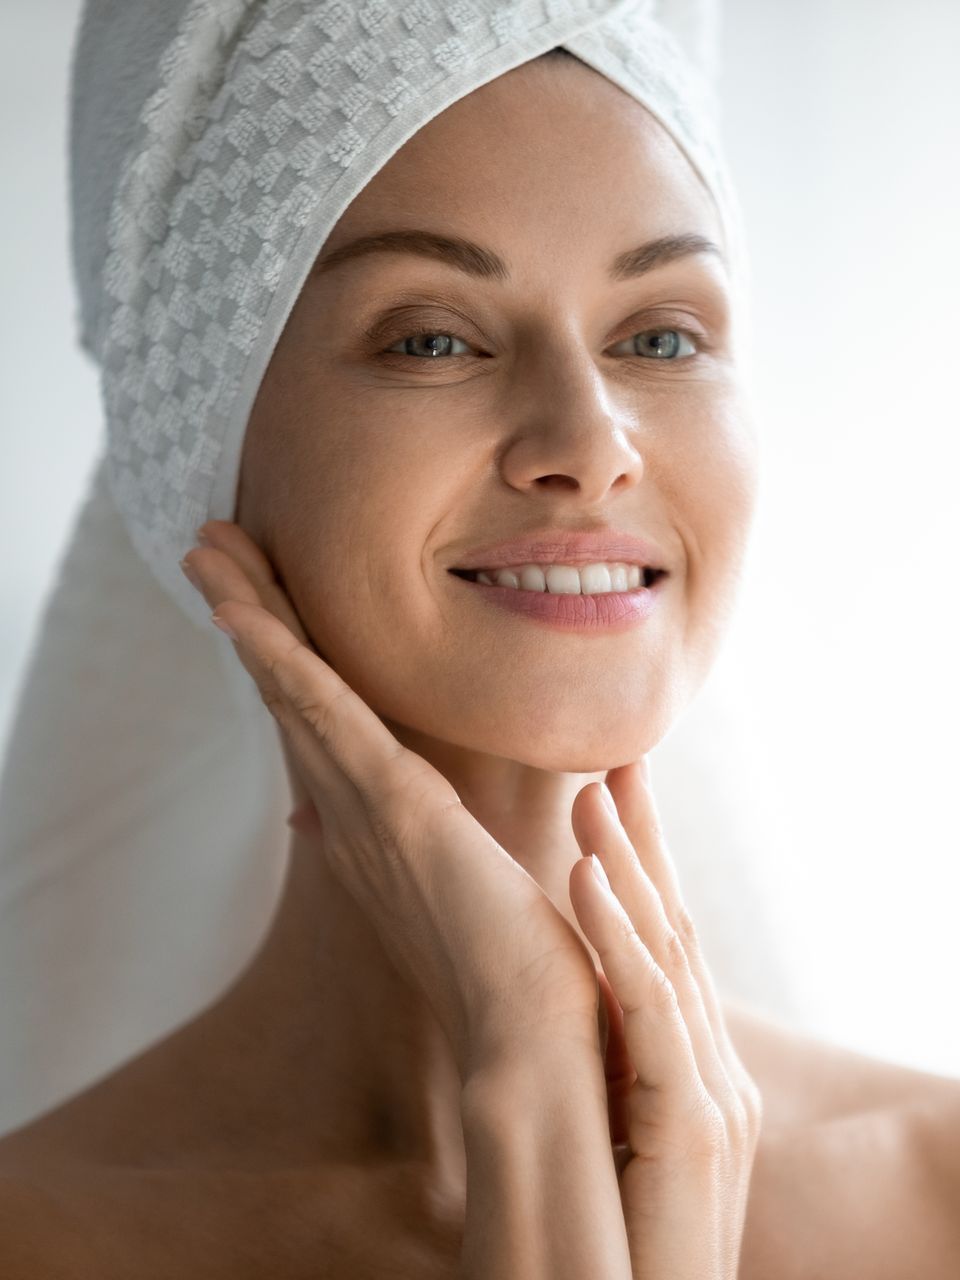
(649, 577)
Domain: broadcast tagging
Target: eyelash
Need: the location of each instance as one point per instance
(697, 340)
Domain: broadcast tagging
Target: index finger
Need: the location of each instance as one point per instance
(230, 562)
(323, 716)
(227, 537)
(632, 790)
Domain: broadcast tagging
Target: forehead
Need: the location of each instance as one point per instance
(550, 150)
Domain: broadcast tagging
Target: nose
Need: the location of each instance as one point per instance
(568, 432)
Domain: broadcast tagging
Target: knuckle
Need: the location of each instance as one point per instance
(743, 1113)
(392, 839)
(687, 930)
(751, 1100)
(626, 934)
(400, 794)
(397, 826)
(319, 714)
(735, 1115)
(403, 806)
(663, 994)
(674, 952)
(274, 702)
(316, 715)
(706, 1126)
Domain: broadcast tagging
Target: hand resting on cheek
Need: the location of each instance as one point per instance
(502, 969)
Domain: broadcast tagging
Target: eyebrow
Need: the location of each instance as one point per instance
(478, 261)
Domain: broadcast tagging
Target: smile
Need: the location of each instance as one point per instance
(563, 579)
(609, 609)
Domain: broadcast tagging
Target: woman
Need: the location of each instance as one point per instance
(415, 1076)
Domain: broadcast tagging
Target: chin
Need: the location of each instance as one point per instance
(569, 742)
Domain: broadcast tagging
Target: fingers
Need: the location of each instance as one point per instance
(229, 537)
(691, 1124)
(632, 790)
(602, 834)
(233, 567)
(654, 1028)
(296, 684)
(617, 1065)
(231, 560)
(324, 719)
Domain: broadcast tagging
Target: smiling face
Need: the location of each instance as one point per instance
(547, 392)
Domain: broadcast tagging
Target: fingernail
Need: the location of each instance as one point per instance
(224, 626)
(608, 800)
(599, 872)
(191, 575)
(202, 537)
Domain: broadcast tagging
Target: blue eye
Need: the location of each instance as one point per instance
(662, 344)
(438, 344)
(656, 344)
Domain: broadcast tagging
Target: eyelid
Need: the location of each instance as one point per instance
(420, 322)
(421, 328)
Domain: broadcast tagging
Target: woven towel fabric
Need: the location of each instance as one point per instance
(268, 119)
(214, 144)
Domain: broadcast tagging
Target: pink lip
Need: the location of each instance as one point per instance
(608, 611)
(565, 546)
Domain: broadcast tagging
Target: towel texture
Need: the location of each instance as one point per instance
(214, 144)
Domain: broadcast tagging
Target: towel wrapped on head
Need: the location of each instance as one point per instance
(214, 144)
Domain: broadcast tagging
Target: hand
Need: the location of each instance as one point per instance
(460, 918)
(679, 1096)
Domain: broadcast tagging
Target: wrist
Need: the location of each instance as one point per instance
(540, 1165)
(563, 1047)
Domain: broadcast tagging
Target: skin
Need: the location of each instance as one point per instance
(449, 453)
(317, 1104)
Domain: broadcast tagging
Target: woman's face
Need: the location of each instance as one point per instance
(371, 466)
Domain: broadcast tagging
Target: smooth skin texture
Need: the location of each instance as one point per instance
(687, 1114)
(312, 1116)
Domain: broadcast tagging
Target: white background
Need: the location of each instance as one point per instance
(841, 121)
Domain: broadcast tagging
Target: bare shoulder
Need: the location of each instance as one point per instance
(858, 1169)
(40, 1237)
(805, 1079)
(63, 1219)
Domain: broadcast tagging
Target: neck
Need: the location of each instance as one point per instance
(349, 1057)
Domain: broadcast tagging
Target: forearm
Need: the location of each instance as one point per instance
(543, 1200)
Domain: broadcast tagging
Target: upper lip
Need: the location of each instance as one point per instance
(566, 546)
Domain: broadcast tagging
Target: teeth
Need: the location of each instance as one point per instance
(564, 579)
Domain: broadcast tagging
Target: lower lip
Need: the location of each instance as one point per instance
(609, 611)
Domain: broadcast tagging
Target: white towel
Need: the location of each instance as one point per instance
(214, 143)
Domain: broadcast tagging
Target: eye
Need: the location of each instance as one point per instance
(654, 344)
(435, 344)
(663, 344)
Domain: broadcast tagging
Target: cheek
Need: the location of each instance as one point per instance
(715, 480)
(716, 492)
(728, 496)
(357, 527)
